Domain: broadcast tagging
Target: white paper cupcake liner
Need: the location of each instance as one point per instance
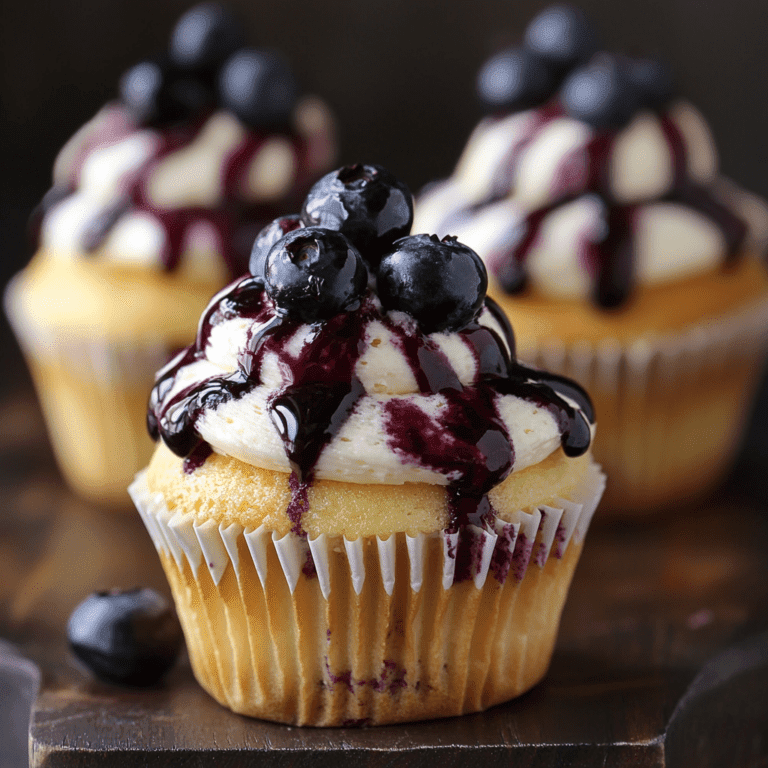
(684, 356)
(333, 631)
(94, 358)
(527, 540)
(670, 408)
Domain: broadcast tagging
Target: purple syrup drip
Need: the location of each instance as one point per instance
(468, 443)
(235, 220)
(197, 458)
(611, 258)
(504, 180)
(298, 504)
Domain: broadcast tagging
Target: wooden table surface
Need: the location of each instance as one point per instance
(662, 658)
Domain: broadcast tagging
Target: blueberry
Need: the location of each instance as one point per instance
(562, 35)
(313, 274)
(442, 283)
(515, 79)
(259, 87)
(156, 93)
(204, 37)
(266, 239)
(601, 94)
(365, 202)
(127, 637)
(653, 81)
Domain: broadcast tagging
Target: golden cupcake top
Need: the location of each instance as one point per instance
(355, 352)
(202, 146)
(589, 175)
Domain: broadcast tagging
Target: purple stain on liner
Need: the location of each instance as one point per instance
(559, 546)
(521, 556)
(503, 553)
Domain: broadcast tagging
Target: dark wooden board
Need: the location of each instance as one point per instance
(662, 658)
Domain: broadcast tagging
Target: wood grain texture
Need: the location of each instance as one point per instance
(662, 658)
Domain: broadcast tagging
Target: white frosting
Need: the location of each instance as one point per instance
(361, 452)
(541, 165)
(104, 158)
(548, 162)
(633, 176)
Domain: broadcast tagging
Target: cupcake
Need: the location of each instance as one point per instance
(621, 256)
(154, 207)
(367, 510)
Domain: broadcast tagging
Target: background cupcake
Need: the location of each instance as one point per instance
(368, 512)
(621, 256)
(155, 205)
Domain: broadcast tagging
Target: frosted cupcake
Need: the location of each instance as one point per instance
(367, 510)
(621, 256)
(155, 205)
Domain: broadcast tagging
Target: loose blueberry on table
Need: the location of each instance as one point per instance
(127, 637)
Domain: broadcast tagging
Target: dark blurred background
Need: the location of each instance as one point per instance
(399, 75)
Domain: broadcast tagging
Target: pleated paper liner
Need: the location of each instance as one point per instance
(333, 632)
(670, 409)
(94, 394)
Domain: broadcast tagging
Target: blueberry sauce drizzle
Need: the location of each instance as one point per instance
(468, 442)
(235, 220)
(610, 259)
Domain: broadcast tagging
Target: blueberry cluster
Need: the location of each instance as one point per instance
(560, 57)
(355, 223)
(129, 637)
(207, 65)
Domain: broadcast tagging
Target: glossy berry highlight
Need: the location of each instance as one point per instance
(125, 637)
(441, 283)
(366, 203)
(313, 274)
(268, 236)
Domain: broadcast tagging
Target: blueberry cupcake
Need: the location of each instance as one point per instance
(621, 256)
(368, 511)
(154, 207)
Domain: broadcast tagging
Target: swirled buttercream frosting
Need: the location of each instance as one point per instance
(596, 180)
(326, 364)
(192, 160)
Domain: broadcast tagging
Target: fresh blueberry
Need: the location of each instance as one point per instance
(314, 273)
(266, 239)
(653, 81)
(366, 203)
(259, 87)
(204, 37)
(442, 283)
(157, 94)
(601, 94)
(562, 35)
(515, 79)
(127, 637)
